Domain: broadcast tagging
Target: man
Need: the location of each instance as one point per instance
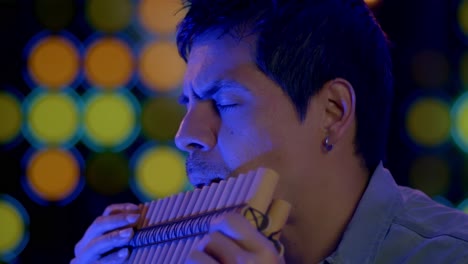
(303, 88)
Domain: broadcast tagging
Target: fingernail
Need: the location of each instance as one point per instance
(131, 218)
(122, 253)
(125, 233)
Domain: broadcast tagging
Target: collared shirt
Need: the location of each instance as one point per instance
(395, 224)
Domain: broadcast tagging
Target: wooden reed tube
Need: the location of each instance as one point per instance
(170, 227)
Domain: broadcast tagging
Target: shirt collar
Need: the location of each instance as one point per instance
(371, 220)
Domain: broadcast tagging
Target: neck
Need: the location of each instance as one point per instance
(322, 210)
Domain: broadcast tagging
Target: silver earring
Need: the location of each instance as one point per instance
(327, 145)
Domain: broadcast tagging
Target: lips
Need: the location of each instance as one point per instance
(200, 184)
(199, 179)
(201, 173)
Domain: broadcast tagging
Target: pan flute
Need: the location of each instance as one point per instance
(169, 228)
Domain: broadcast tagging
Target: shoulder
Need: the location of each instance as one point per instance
(426, 231)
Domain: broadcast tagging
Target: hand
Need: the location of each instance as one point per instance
(233, 239)
(111, 230)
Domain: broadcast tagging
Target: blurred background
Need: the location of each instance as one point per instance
(88, 111)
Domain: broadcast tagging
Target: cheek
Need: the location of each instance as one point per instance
(243, 141)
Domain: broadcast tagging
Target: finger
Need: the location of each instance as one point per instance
(197, 257)
(120, 208)
(242, 232)
(116, 257)
(103, 244)
(220, 247)
(104, 224)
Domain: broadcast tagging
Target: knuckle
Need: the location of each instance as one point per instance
(121, 235)
(111, 236)
(112, 207)
(99, 220)
(120, 207)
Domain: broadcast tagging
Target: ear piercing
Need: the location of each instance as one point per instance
(327, 145)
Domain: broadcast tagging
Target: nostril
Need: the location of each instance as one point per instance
(195, 145)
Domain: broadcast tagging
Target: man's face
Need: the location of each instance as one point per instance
(238, 119)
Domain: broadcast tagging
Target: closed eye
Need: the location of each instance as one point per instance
(225, 107)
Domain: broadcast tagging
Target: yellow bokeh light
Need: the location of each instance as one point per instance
(53, 174)
(428, 122)
(110, 119)
(109, 15)
(12, 227)
(460, 127)
(160, 172)
(161, 68)
(463, 206)
(109, 63)
(54, 62)
(10, 117)
(53, 118)
(160, 16)
(431, 175)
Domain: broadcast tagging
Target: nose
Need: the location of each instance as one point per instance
(196, 131)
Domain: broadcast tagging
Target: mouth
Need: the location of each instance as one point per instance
(200, 180)
(203, 184)
(202, 173)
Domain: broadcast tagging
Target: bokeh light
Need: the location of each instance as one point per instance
(110, 120)
(160, 118)
(373, 3)
(431, 175)
(109, 16)
(53, 175)
(160, 66)
(11, 117)
(108, 173)
(430, 68)
(463, 17)
(460, 120)
(159, 171)
(53, 61)
(463, 206)
(55, 14)
(428, 121)
(52, 118)
(109, 63)
(14, 224)
(160, 16)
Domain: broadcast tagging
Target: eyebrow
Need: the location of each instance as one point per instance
(213, 89)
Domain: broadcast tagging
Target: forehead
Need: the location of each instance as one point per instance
(213, 58)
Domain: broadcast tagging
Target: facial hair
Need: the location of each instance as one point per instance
(201, 172)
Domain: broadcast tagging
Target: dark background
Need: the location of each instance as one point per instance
(412, 25)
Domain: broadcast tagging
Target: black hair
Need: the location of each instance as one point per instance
(302, 44)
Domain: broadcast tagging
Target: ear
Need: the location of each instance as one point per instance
(340, 106)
